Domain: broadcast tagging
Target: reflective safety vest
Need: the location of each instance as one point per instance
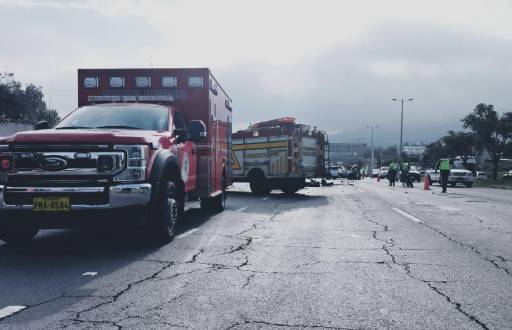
(393, 166)
(445, 165)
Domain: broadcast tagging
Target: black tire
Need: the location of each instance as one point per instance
(290, 190)
(453, 184)
(469, 184)
(18, 234)
(259, 185)
(217, 203)
(164, 219)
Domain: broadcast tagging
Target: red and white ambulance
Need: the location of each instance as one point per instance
(143, 145)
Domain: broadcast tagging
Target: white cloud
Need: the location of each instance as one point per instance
(274, 57)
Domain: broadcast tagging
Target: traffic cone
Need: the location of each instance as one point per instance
(426, 184)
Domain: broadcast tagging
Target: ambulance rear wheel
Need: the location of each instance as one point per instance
(18, 234)
(217, 203)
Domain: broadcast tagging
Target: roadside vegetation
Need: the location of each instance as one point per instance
(23, 104)
(488, 134)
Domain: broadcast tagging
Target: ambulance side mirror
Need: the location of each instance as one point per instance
(197, 131)
(42, 125)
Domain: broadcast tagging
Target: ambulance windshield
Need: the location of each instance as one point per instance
(145, 117)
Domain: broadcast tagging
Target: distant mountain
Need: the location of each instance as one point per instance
(387, 136)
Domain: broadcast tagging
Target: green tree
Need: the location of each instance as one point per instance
(435, 151)
(460, 144)
(49, 115)
(389, 154)
(18, 104)
(493, 132)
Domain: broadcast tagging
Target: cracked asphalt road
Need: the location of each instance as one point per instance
(327, 258)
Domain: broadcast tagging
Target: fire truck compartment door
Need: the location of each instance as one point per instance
(237, 157)
(310, 152)
(278, 149)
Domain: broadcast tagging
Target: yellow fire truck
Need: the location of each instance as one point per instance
(279, 154)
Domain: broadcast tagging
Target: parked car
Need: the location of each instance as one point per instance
(384, 172)
(355, 173)
(375, 172)
(342, 172)
(508, 175)
(458, 174)
(481, 176)
(415, 174)
(333, 172)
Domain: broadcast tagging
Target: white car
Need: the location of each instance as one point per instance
(384, 172)
(481, 176)
(333, 172)
(458, 174)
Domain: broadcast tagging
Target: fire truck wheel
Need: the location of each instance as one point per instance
(260, 187)
(18, 235)
(163, 222)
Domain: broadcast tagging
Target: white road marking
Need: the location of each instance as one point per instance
(185, 234)
(407, 215)
(449, 208)
(264, 198)
(10, 310)
(90, 274)
(241, 209)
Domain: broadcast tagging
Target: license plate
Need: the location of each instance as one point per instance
(51, 204)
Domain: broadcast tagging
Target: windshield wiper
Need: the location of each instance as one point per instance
(74, 127)
(119, 126)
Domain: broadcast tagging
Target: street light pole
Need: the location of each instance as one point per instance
(401, 135)
(400, 151)
(372, 150)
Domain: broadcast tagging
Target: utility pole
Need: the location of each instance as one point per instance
(372, 151)
(400, 151)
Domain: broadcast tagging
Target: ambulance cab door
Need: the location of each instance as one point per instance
(187, 153)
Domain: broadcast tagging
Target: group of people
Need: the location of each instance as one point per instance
(393, 171)
(394, 167)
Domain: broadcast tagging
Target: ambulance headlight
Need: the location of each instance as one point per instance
(136, 159)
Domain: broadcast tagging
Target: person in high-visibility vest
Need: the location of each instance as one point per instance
(392, 171)
(444, 169)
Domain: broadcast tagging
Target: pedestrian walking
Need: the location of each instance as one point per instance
(406, 177)
(392, 171)
(444, 168)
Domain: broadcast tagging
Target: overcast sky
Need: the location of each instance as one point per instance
(333, 64)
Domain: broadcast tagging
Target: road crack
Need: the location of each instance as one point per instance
(246, 321)
(390, 243)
